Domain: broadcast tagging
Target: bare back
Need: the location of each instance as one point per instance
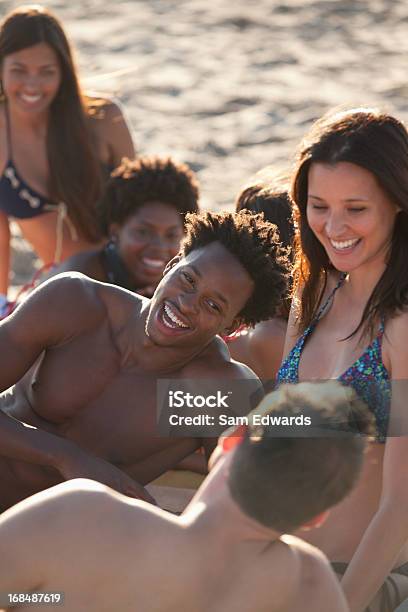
(147, 556)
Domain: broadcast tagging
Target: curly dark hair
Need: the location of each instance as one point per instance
(256, 245)
(147, 179)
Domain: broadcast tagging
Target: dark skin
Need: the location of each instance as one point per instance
(151, 234)
(91, 396)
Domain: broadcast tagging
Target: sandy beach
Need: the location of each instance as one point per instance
(230, 88)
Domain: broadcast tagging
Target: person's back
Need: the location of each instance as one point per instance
(132, 556)
(226, 552)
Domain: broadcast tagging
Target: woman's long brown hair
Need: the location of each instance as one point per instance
(377, 142)
(75, 171)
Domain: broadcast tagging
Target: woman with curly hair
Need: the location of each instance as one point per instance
(142, 212)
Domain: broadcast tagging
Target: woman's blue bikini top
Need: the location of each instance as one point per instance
(368, 375)
(17, 199)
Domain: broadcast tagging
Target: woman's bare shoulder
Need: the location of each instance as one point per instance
(102, 110)
(86, 262)
(109, 125)
(294, 331)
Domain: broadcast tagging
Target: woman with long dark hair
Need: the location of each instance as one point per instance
(56, 143)
(349, 321)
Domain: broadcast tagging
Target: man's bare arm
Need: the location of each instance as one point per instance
(43, 321)
(56, 312)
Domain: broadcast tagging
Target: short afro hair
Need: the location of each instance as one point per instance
(146, 179)
(255, 244)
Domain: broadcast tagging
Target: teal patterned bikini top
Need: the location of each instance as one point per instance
(367, 375)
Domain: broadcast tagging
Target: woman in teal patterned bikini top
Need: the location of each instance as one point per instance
(349, 321)
(367, 375)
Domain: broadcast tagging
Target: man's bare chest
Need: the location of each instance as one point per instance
(86, 393)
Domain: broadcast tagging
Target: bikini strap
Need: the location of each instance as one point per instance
(323, 308)
(380, 333)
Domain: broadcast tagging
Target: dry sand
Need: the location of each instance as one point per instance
(231, 86)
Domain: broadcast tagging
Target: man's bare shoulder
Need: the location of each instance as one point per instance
(121, 304)
(68, 285)
(64, 305)
(317, 583)
(87, 302)
(76, 289)
(215, 361)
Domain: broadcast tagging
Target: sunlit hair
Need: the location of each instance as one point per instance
(377, 142)
(255, 244)
(147, 179)
(74, 168)
(284, 482)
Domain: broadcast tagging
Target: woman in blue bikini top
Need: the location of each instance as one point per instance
(367, 375)
(55, 142)
(349, 321)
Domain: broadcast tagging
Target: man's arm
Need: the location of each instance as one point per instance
(54, 313)
(42, 322)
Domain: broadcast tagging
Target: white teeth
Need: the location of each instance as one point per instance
(154, 263)
(30, 98)
(168, 324)
(344, 244)
(173, 317)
